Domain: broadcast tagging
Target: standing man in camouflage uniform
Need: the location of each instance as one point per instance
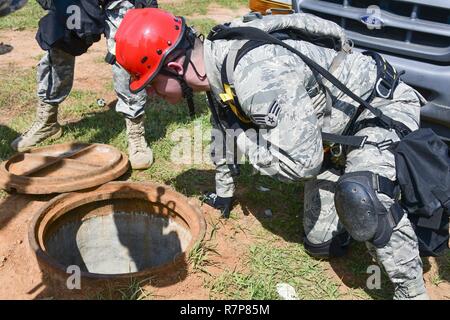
(55, 74)
(277, 92)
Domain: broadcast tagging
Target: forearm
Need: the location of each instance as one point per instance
(270, 160)
(225, 184)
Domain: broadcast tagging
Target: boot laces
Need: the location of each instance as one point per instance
(137, 136)
(41, 117)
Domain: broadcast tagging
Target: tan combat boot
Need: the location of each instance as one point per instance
(141, 156)
(45, 126)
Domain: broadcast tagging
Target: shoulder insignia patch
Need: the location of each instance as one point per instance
(270, 119)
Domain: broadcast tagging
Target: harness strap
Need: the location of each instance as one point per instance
(337, 61)
(257, 34)
(231, 61)
(240, 49)
(229, 96)
(390, 188)
(353, 141)
(387, 76)
(396, 212)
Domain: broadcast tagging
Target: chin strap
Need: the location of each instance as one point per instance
(188, 92)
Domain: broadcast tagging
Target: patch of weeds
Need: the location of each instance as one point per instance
(203, 25)
(269, 265)
(133, 290)
(187, 8)
(214, 228)
(18, 89)
(199, 256)
(354, 272)
(443, 263)
(17, 101)
(436, 279)
(25, 18)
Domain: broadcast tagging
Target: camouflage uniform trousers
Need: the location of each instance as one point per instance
(400, 256)
(55, 71)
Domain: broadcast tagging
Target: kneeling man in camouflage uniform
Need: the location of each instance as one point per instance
(270, 89)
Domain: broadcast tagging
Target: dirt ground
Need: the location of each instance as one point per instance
(20, 275)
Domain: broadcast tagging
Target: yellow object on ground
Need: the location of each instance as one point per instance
(269, 6)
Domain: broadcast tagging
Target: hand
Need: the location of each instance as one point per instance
(145, 4)
(223, 204)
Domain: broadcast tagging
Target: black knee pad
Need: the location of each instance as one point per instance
(335, 247)
(360, 210)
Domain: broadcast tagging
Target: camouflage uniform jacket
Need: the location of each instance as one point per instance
(279, 93)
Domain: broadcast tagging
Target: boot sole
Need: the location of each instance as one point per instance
(141, 167)
(53, 137)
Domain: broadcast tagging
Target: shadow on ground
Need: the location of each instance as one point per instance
(107, 125)
(285, 202)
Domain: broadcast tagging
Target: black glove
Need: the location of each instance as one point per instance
(139, 4)
(223, 204)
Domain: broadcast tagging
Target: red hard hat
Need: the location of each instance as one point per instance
(144, 40)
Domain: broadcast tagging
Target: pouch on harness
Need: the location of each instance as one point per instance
(422, 159)
(61, 29)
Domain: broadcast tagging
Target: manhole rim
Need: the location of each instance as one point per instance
(34, 185)
(53, 264)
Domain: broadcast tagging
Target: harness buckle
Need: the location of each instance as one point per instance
(363, 142)
(384, 145)
(386, 85)
(376, 182)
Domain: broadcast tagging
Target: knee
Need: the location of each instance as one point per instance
(337, 246)
(360, 210)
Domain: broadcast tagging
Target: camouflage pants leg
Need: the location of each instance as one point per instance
(55, 74)
(130, 104)
(400, 256)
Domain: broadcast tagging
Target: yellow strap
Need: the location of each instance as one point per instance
(228, 98)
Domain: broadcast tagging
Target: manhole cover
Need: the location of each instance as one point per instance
(62, 168)
(120, 229)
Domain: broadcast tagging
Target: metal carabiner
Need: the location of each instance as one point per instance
(336, 150)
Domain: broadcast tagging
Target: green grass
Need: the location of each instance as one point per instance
(200, 256)
(443, 272)
(200, 7)
(25, 18)
(28, 17)
(276, 254)
(269, 265)
(18, 88)
(133, 289)
(17, 101)
(277, 240)
(202, 25)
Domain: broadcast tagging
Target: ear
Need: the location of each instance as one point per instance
(177, 67)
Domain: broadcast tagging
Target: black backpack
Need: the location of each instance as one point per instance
(423, 172)
(422, 158)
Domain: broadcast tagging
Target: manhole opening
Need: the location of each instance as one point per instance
(117, 236)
